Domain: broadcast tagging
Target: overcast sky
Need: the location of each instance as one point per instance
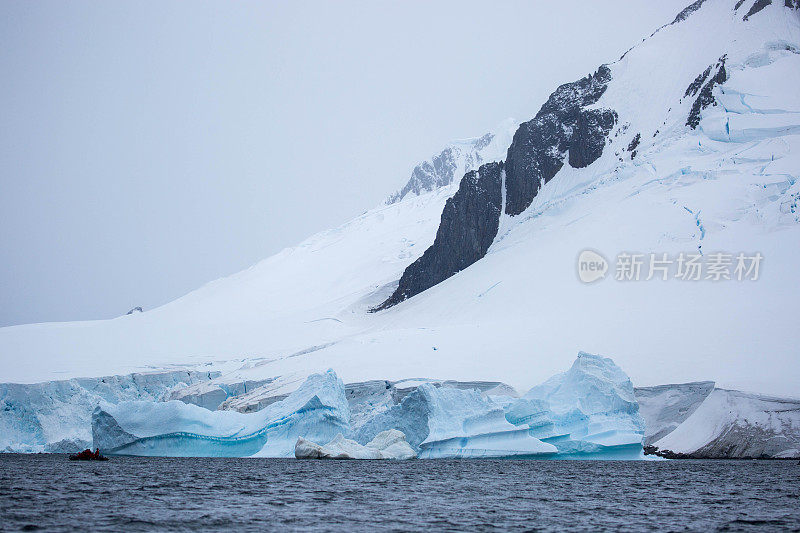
(149, 147)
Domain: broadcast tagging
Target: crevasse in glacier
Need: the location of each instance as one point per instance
(590, 411)
(317, 411)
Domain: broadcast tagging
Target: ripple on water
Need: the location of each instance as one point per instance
(155, 494)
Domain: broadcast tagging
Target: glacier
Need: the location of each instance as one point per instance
(444, 422)
(317, 411)
(587, 412)
(55, 416)
(517, 315)
(733, 188)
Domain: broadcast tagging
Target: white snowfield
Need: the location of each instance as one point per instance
(587, 412)
(520, 314)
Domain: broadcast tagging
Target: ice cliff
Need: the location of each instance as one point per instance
(317, 411)
(590, 410)
(55, 416)
(587, 412)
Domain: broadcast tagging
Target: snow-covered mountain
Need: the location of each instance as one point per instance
(456, 159)
(688, 143)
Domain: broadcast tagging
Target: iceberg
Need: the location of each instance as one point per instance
(445, 422)
(386, 445)
(588, 412)
(55, 416)
(317, 410)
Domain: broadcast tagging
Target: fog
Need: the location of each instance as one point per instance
(149, 147)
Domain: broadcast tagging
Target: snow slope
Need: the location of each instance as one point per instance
(736, 424)
(520, 314)
(665, 407)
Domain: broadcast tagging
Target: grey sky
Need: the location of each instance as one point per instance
(149, 147)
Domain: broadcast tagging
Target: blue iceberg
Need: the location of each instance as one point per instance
(317, 411)
(588, 412)
(445, 422)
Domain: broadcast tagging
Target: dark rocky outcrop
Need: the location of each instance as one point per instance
(469, 223)
(562, 125)
(683, 15)
(635, 144)
(697, 84)
(706, 96)
(757, 6)
(794, 4)
(589, 137)
(562, 129)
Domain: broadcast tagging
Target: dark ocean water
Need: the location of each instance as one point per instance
(143, 494)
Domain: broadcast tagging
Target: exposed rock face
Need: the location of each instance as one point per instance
(683, 15)
(566, 127)
(698, 82)
(757, 6)
(469, 224)
(589, 137)
(562, 125)
(706, 96)
(634, 144)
